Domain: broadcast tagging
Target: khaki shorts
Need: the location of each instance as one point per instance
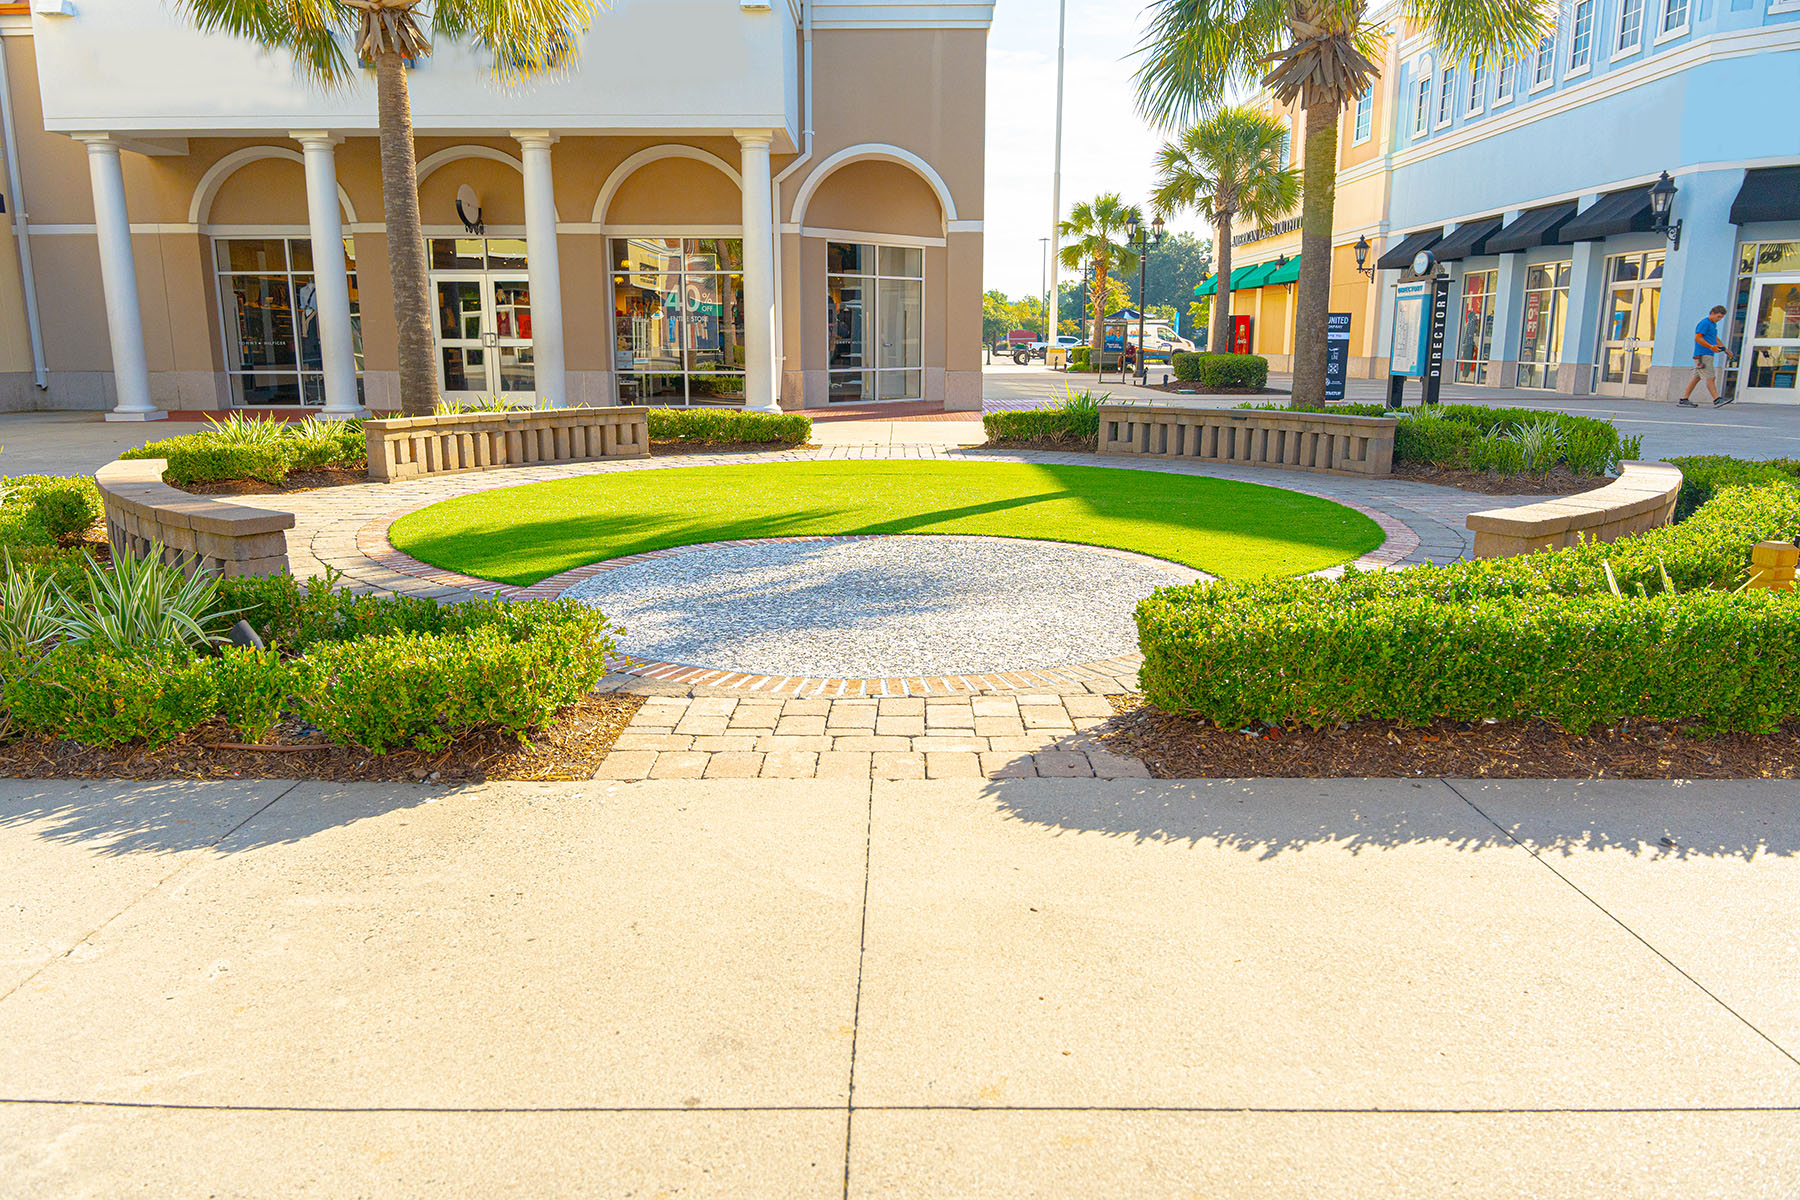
(1703, 368)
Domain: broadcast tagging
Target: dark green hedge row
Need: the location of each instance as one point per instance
(1703, 475)
(699, 426)
(206, 457)
(1075, 421)
(1477, 437)
(1537, 636)
(1221, 370)
(379, 672)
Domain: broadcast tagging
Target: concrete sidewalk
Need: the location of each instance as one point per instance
(1050, 988)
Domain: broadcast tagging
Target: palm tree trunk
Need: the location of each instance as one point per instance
(1097, 344)
(1219, 336)
(405, 237)
(1318, 199)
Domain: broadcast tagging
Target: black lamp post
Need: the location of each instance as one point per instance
(1141, 240)
(1362, 256)
(1662, 204)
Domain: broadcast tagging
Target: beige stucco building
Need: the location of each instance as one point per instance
(720, 203)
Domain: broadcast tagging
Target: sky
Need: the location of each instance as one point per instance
(1107, 147)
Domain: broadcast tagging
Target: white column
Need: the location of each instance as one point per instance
(546, 270)
(331, 280)
(118, 277)
(759, 273)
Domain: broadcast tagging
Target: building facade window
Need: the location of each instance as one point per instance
(875, 313)
(1446, 102)
(1541, 330)
(1422, 104)
(1287, 142)
(1504, 77)
(1365, 116)
(1631, 26)
(1475, 334)
(678, 320)
(1477, 84)
(1545, 63)
(1581, 36)
(1674, 17)
(269, 304)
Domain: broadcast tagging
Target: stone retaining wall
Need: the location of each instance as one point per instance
(1642, 497)
(1330, 443)
(408, 447)
(196, 533)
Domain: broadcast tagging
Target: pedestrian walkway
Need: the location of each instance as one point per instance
(1394, 989)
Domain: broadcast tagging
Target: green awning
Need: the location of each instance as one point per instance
(1253, 276)
(1208, 287)
(1287, 273)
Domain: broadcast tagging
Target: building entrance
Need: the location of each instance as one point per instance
(482, 320)
(1628, 331)
(1771, 355)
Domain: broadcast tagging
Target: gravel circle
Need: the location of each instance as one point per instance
(871, 607)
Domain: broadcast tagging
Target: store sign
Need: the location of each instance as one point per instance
(1411, 324)
(1534, 304)
(1337, 354)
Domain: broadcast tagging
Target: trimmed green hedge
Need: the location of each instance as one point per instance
(380, 672)
(1703, 475)
(1075, 421)
(1537, 636)
(1476, 437)
(701, 426)
(1221, 370)
(38, 514)
(212, 457)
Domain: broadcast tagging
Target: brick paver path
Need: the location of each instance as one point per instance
(704, 723)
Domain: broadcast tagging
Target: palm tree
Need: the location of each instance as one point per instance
(1092, 226)
(523, 37)
(1320, 53)
(1229, 165)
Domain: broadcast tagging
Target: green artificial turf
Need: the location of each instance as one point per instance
(1234, 530)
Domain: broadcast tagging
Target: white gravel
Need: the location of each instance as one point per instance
(886, 606)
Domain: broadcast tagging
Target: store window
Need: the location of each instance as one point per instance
(1541, 333)
(678, 320)
(1754, 259)
(1475, 332)
(1581, 36)
(875, 314)
(270, 308)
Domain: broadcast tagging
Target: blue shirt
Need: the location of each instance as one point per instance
(1706, 336)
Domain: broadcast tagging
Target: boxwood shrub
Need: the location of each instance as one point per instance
(701, 426)
(212, 457)
(105, 699)
(1221, 370)
(1704, 474)
(1536, 636)
(1076, 422)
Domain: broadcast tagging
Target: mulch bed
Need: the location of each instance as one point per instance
(296, 481)
(1190, 388)
(671, 449)
(1183, 748)
(1080, 447)
(1559, 482)
(571, 747)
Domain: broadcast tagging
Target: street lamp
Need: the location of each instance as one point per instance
(1662, 203)
(1141, 240)
(1362, 256)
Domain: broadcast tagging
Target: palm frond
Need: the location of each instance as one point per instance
(523, 37)
(1230, 163)
(1500, 29)
(1195, 51)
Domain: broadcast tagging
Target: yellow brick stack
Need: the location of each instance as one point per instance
(1772, 565)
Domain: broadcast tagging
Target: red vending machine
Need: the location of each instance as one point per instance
(1240, 334)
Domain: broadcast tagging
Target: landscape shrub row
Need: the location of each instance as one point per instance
(1074, 422)
(42, 518)
(725, 426)
(379, 672)
(1544, 635)
(1703, 475)
(265, 449)
(1504, 441)
(1221, 370)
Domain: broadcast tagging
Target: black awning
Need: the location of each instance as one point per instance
(1468, 240)
(1400, 257)
(1768, 194)
(1537, 227)
(1620, 212)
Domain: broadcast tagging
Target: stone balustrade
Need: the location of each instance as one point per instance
(1331, 443)
(1642, 497)
(195, 533)
(408, 447)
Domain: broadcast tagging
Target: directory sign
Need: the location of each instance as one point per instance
(1337, 354)
(1412, 324)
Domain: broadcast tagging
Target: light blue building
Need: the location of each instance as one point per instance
(1531, 181)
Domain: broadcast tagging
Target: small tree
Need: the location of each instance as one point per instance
(522, 37)
(1088, 236)
(1229, 164)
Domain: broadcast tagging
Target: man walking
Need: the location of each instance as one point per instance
(1706, 344)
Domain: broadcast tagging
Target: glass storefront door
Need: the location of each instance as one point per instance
(1475, 332)
(1628, 328)
(481, 296)
(484, 336)
(1541, 330)
(874, 311)
(1771, 355)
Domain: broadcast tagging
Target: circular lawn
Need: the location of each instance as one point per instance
(1233, 530)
